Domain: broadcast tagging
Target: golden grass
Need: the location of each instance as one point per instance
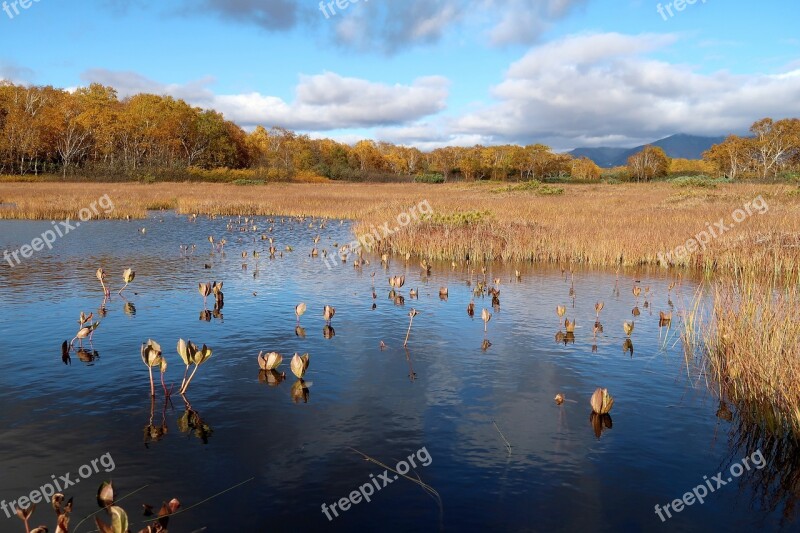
(602, 225)
(751, 346)
(595, 225)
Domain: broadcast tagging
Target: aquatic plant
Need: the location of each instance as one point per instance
(191, 355)
(101, 277)
(205, 291)
(486, 316)
(299, 310)
(601, 401)
(327, 313)
(151, 356)
(597, 308)
(628, 328)
(127, 276)
(411, 315)
(84, 331)
(269, 361)
(637, 291)
(299, 365)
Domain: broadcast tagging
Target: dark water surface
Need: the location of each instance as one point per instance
(666, 434)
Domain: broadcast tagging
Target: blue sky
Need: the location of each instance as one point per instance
(430, 72)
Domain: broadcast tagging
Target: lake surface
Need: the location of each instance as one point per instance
(445, 399)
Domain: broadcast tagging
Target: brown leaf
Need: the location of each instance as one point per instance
(105, 494)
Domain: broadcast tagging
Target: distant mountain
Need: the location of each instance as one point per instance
(677, 146)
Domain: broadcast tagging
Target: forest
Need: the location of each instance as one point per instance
(91, 133)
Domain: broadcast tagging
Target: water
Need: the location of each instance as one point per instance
(445, 399)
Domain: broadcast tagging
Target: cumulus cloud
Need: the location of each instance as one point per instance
(322, 102)
(583, 90)
(602, 89)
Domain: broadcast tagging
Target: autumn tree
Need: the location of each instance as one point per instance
(73, 136)
(584, 169)
(650, 163)
(774, 144)
(732, 157)
(445, 160)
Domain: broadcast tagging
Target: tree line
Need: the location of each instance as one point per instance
(91, 132)
(772, 149)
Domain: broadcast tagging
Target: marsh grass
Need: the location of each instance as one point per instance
(593, 225)
(749, 345)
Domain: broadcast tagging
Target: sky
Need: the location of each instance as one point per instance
(430, 73)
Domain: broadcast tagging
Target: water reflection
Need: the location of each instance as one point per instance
(273, 378)
(442, 393)
(191, 422)
(627, 347)
(87, 356)
(155, 432)
(300, 392)
(600, 423)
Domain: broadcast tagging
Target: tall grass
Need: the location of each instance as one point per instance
(750, 345)
(594, 225)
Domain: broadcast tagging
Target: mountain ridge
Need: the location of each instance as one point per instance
(679, 145)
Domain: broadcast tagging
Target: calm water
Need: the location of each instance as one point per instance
(444, 395)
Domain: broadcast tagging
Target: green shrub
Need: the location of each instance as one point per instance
(244, 182)
(789, 176)
(461, 218)
(530, 185)
(701, 181)
(547, 190)
(429, 178)
(534, 186)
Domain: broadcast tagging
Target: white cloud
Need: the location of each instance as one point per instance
(583, 90)
(322, 102)
(602, 88)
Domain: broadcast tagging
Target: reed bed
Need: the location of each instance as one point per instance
(750, 346)
(603, 225)
(594, 225)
